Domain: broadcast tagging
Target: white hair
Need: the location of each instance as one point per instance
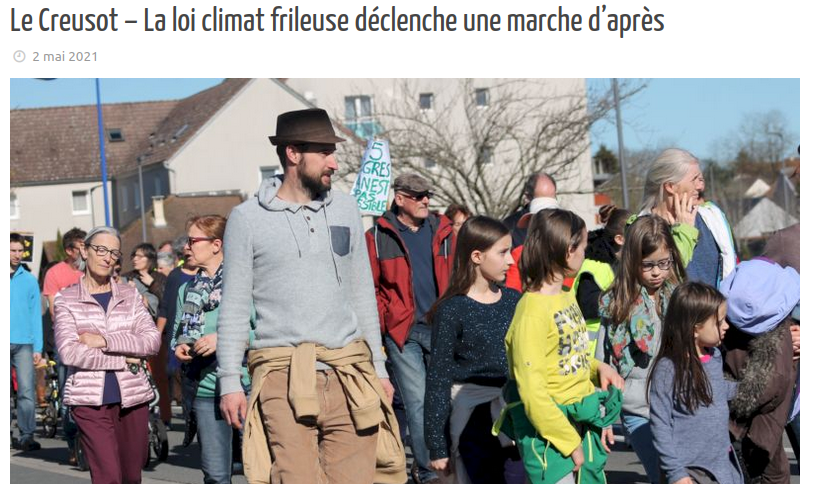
(165, 259)
(670, 166)
(102, 229)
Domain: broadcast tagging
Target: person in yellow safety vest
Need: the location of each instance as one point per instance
(597, 272)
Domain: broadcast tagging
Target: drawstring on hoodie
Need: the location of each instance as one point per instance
(292, 230)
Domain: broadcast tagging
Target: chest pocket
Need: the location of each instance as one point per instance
(340, 239)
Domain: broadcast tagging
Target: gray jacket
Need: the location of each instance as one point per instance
(700, 439)
(306, 269)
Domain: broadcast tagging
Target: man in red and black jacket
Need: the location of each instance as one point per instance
(411, 253)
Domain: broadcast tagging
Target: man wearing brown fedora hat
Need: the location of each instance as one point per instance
(320, 392)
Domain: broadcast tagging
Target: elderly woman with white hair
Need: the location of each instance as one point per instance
(674, 190)
(103, 332)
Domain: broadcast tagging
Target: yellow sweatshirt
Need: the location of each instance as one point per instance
(548, 354)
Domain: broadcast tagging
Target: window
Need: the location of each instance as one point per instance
(430, 163)
(482, 97)
(426, 101)
(123, 198)
(81, 203)
(115, 135)
(136, 197)
(360, 116)
(270, 171)
(14, 210)
(486, 156)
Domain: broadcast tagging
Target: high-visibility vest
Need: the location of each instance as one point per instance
(603, 275)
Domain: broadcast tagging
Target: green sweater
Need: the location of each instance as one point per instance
(208, 382)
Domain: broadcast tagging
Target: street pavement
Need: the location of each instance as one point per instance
(182, 466)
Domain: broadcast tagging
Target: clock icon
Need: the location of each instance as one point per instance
(19, 56)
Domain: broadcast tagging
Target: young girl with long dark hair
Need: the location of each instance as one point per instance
(554, 410)
(687, 390)
(468, 364)
(632, 313)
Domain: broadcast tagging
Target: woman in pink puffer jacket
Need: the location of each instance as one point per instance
(103, 331)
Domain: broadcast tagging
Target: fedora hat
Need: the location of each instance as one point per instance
(304, 126)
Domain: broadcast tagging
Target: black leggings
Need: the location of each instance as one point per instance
(486, 461)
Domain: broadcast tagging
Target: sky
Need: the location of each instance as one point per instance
(695, 113)
(688, 113)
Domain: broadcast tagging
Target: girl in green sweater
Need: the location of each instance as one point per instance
(554, 409)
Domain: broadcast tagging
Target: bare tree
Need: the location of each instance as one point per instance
(479, 143)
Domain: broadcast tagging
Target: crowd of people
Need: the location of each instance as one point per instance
(305, 349)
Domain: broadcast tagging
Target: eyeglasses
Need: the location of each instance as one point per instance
(192, 240)
(102, 251)
(417, 197)
(663, 265)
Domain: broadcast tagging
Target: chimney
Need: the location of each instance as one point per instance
(158, 211)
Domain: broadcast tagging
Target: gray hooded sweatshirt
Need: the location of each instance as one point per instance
(305, 268)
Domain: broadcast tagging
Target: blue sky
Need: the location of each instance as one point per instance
(688, 113)
(694, 113)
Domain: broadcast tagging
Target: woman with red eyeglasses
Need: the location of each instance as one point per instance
(194, 342)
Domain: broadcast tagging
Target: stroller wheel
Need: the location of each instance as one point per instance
(159, 440)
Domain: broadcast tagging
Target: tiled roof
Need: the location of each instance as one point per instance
(60, 144)
(186, 118)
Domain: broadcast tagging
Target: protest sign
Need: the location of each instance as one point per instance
(374, 180)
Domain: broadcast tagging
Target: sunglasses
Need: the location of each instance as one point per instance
(417, 197)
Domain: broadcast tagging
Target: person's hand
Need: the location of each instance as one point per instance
(796, 340)
(608, 376)
(131, 360)
(662, 210)
(441, 466)
(684, 209)
(146, 278)
(578, 457)
(205, 345)
(389, 389)
(608, 439)
(183, 353)
(37, 358)
(234, 408)
(685, 480)
(92, 340)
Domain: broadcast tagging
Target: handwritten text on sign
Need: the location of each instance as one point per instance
(374, 180)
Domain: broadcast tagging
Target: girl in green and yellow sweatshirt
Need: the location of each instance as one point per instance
(553, 407)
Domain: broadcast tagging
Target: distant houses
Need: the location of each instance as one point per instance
(201, 154)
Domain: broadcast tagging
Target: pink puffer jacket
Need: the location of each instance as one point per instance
(129, 331)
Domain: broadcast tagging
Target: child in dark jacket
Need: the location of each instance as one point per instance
(759, 352)
(687, 391)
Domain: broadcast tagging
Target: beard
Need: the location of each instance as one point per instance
(314, 183)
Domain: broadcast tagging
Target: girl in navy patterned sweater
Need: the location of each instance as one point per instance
(468, 362)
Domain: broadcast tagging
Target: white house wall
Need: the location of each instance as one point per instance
(44, 209)
(228, 152)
